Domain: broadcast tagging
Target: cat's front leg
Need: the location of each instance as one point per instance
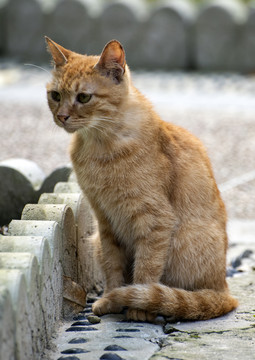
(111, 257)
(151, 257)
(113, 261)
(150, 261)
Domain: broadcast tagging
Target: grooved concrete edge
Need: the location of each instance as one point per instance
(206, 36)
(39, 258)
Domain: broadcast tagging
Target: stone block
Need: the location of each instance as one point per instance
(14, 281)
(59, 174)
(217, 36)
(67, 187)
(38, 246)
(52, 232)
(22, 182)
(24, 30)
(165, 38)
(20, 178)
(89, 275)
(7, 325)
(248, 41)
(70, 199)
(69, 24)
(28, 264)
(120, 20)
(2, 28)
(63, 215)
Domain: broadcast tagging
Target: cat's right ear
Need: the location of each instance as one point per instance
(112, 61)
(59, 54)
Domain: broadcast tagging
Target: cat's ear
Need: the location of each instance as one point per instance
(59, 54)
(112, 61)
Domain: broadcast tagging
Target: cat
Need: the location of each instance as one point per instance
(161, 219)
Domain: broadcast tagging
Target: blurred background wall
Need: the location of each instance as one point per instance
(217, 35)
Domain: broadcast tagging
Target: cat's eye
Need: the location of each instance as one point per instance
(55, 96)
(83, 98)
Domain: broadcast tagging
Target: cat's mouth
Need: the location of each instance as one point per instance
(66, 126)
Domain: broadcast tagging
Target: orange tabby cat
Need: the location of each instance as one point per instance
(161, 219)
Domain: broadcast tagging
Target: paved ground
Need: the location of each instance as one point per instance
(230, 337)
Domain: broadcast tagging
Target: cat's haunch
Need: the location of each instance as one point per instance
(161, 219)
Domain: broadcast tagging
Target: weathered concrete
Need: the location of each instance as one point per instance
(43, 245)
(164, 40)
(38, 246)
(70, 21)
(217, 36)
(7, 328)
(20, 178)
(24, 30)
(63, 215)
(248, 41)
(28, 264)
(86, 227)
(60, 174)
(22, 182)
(51, 231)
(122, 20)
(15, 282)
(154, 37)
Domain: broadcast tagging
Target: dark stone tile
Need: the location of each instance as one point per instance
(78, 341)
(109, 356)
(128, 330)
(81, 328)
(74, 351)
(81, 323)
(114, 348)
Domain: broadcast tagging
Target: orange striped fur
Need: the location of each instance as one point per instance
(161, 219)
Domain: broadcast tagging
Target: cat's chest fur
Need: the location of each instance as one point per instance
(122, 185)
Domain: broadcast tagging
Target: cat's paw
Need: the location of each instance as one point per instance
(140, 315)
(105, 306)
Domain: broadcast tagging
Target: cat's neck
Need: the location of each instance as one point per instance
(133, 124)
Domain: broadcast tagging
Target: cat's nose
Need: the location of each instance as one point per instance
(63, 118)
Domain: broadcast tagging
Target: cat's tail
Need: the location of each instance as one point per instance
(174, 303)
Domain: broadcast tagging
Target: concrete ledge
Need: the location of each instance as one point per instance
(46, 270)
(7, 328)
(22, 182)
(155, 37)
(218, 36)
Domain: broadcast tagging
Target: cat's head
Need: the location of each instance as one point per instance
(86, 91)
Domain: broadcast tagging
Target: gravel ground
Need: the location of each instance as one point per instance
(219, 109)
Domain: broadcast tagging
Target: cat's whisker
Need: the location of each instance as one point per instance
(95, 127)
(38, 67)
(106, 120)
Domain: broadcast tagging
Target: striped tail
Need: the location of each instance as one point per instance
(174, 303)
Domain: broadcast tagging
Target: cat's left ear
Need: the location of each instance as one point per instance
(59, 54)
(112, 61)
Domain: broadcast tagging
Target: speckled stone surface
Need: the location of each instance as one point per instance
(228, 337)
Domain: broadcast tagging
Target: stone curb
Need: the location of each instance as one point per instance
(22, 182)
(44, 274)
(173, 34)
